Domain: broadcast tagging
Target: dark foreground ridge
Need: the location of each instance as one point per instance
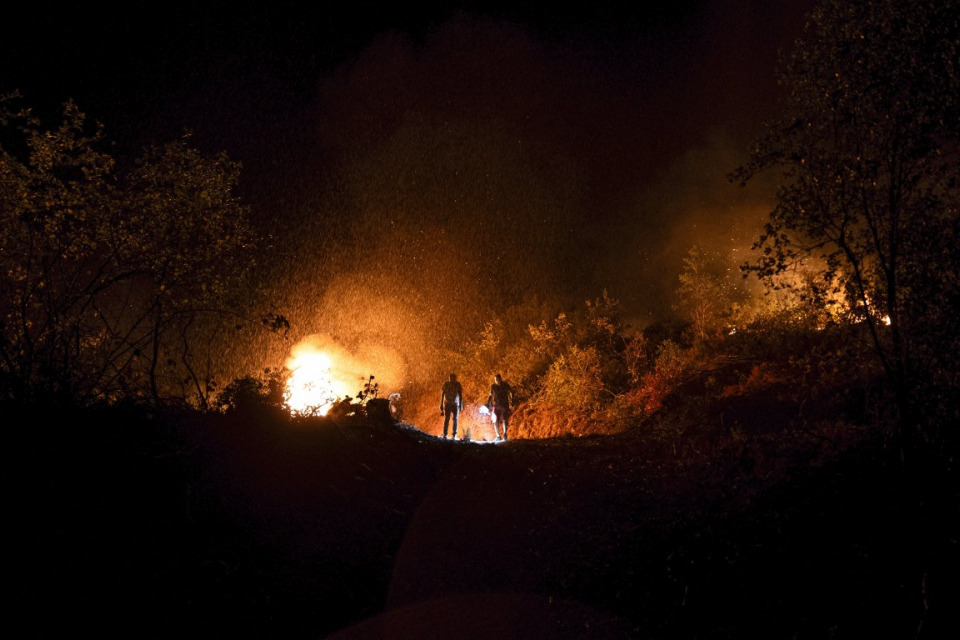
(123, 524)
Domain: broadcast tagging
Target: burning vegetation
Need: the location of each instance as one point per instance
(320, 374)
(312, 389)
(119, 296)
(587, 372)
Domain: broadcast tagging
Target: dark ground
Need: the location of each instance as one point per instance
(125, 525)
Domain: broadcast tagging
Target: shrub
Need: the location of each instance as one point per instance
(573, 380)
(254, 393)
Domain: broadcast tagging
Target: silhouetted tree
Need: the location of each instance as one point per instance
(106, 274)
(248, 393)
(707, 294)
(869, 154)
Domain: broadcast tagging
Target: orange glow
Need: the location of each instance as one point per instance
(323, 372)
(312, 387)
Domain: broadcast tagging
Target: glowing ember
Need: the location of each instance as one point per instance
(313, 386)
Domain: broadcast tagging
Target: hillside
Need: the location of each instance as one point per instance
(707, 521)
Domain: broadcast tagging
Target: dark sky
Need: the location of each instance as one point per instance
(667, 72)
(444, 155)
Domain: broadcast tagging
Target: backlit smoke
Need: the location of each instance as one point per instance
(439, 182)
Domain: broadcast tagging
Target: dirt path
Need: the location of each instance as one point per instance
(478, 558)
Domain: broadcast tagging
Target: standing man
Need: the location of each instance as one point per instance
(500, 400)
(451, 403)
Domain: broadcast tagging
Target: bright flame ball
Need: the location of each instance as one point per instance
(312, 387)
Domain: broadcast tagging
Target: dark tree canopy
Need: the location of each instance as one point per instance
(868, 150)
(106, 273)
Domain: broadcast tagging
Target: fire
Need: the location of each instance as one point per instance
(313, 387)
(323, 372)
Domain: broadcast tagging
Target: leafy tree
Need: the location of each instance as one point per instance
(190, 234)
(576, 360)
(604, 332)
(636, 357)
(868, 151)
(108, 277)
(707, 296)
(595, 327)
(552, 339)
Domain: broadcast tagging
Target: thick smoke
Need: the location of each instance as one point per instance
(412, 183)
(693, 202)
(445, 180)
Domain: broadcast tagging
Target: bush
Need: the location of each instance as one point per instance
(573, 381)
(254, 393)
(647, 397)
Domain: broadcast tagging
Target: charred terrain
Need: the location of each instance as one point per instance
(738, 517)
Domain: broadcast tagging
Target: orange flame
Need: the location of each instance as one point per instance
(312, 387)
(323, 372)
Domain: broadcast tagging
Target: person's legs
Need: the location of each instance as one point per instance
(446, 422)
(501, 422)
(456, 416)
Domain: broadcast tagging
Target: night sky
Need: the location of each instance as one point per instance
(430, 164)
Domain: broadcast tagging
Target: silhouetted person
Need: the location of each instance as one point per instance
(500, 401)
(451, 403)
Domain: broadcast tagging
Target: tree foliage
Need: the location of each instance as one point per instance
(249, 393)
(108, 268)
(868, 150)
(585, 352)
(574, 380)
(707, 294)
